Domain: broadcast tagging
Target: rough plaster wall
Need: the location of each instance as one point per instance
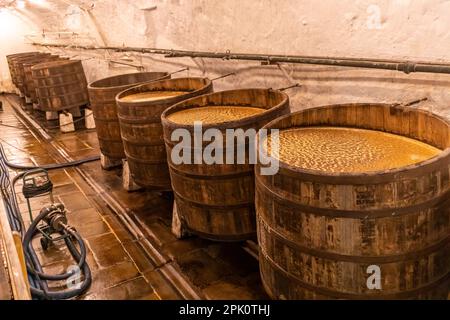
(404, 29)
(13, 28)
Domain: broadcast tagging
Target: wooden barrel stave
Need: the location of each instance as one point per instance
(60, 85)
(141, 129)
(17, 66)
(29, 83)
(12, 60)
(20, 69)
(103, 103)
(319, 233)
(146, 154)
(216, 202)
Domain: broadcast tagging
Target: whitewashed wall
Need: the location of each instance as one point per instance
(404, 29)
(13, 28)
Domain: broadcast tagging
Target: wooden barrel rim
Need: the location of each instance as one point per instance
(21, 54)
(153, 84)
(366, 177)
(50, 58)
(55, 64)
(97, 85)
(34, 59)
(37, 61)
(411, 171)
(191, 104)
(16, 60)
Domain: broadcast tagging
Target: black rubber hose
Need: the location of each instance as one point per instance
(49, 166)
(71, 293)
(11, 206)
(35, 268)
(32, 256)
(54, 166)
(33, 230)
(37, 278)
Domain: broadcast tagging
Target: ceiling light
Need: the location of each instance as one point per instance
(38, 2)
(20, 4)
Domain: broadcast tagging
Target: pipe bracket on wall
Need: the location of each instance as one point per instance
(151, 8)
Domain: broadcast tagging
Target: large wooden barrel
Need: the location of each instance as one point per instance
(60, 85)
(216, 201)
(142, 132)
(20, 72)
(10, 59)
(103, 94)
(29, 88)
(14, 59)
(331, 235)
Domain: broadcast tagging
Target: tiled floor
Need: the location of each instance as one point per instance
(116, 271)
(132, 252)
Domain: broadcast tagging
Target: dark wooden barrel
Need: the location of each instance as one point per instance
(142, 133)
(20, 72)
(321, 234)
(10, 59)
(60, 85)
(216, 201)
(13, 61)
(29, 88)
(102, 95)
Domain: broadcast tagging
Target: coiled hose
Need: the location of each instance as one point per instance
(34, 268)
(37, 278)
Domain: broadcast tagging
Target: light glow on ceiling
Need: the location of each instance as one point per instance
(20, 4)
(38, 2)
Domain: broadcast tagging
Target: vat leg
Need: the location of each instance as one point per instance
(49, 115)
(66, 123)
(178, 230)
(127, 179)
(89, 122)
(109, 163)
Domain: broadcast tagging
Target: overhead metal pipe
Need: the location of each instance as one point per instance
(384, 64)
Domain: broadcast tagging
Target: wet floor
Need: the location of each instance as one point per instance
(132, 252)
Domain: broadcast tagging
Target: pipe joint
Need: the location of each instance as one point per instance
(407, 67)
